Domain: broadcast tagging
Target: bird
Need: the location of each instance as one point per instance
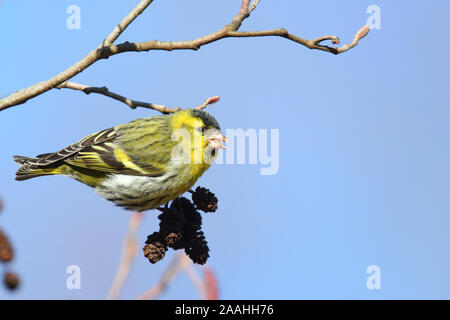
(140, 165)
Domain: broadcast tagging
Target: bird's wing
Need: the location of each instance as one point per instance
(99, 152)
(109, 157)
(47, 159)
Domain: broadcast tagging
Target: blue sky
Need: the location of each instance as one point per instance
(364, 171)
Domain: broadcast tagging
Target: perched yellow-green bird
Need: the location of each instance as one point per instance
(140, 165)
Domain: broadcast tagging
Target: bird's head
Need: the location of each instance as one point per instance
(202, 129)
(209, 128)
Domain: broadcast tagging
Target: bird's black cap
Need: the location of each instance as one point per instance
(208, 120)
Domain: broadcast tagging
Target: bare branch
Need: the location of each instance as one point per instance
(180, 262)
(133, 104)
(311, 44)
(24, 95)
(253, 6)
(130, 249)
(126, 22)
(244, 5)
(108, 49)
(196, 280)
(175, 266)
(210, 284)
(361, 33)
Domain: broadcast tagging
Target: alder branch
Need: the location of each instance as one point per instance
(108, 48)
(35, 90)
(126, 22)
(196, 280)
(129, 252)
(253, 5)
(133, 104)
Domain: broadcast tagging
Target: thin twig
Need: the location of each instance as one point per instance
(133, 104)
(126, 22)
(244, 5)
(107, 48)
(253, 5)
(129, 252)
(180, 262)
(195, 278)
(210, 284)
(174, 267)
(207, 102)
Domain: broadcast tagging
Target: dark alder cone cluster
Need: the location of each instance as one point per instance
(10, 279)
(204, 200)
(180, 228)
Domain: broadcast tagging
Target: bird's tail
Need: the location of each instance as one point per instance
(30, 169)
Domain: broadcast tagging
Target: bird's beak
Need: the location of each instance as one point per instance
(216, 139)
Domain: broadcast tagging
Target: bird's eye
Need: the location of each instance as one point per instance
(201, 129)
